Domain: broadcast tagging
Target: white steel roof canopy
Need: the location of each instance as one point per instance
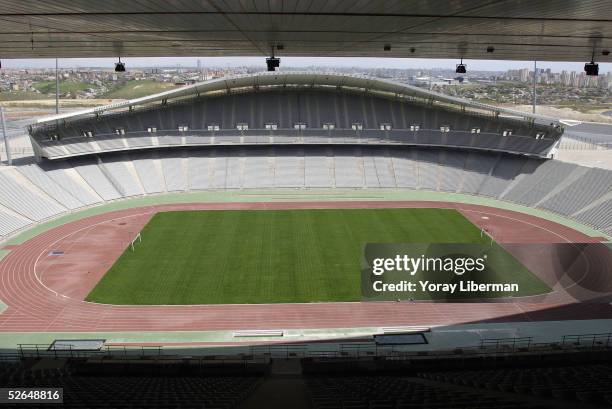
(270, 79)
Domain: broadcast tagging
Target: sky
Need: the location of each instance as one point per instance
(479, 65)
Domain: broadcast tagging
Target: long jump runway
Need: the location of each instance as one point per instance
(44, 292)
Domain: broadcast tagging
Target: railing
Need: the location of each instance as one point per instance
(507, 343)
(280, 351)
(600, 340)
(322, 350)
(47, 351)
(75, 146)
(279, 132)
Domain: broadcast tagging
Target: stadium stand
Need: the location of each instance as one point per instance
(93, 176)
(172, 167)
(460, 138)
(120, 171)
(599, 213)
(295, 109)
(386, 392)
(150, 173)
(581, 383)
(547, 174)
(25, 198)
(68, 179)
(297, 130)
(97, 386)
(11, 221)
(592, 185)
(40, 178)
(32, 192)
(538, 378)
(509, 380)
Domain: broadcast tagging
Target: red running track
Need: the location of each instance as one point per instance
(55, 302)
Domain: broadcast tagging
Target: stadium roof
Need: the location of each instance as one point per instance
(297, 78)
(561, 30)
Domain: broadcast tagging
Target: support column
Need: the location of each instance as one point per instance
(56, 87)
(535, 81)
(5, 136)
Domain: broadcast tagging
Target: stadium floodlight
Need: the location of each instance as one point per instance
(461, 68)
(272, 62)
(591, 68)
(119, 66)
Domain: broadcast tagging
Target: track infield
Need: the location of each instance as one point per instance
(280, 256)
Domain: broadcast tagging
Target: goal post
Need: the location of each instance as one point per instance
(483, 232)
(137, 238)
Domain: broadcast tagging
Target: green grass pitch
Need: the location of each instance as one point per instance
(271, 256)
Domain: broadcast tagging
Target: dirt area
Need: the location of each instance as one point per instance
(564, 113)
(64, 103)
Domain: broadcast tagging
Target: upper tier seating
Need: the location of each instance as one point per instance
(216, 119)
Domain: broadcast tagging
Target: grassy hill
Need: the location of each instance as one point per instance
(137, 89)
(48, 87)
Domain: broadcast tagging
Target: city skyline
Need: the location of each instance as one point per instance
(293, 62)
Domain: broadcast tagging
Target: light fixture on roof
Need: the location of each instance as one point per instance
(461, 68)
(119, 66)
(591, 68)
(272, 62)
